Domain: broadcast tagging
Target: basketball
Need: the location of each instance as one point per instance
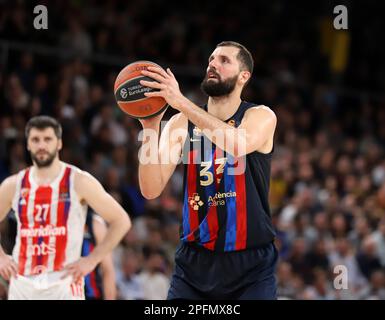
(129, 93)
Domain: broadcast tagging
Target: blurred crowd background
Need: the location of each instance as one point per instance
(326, 87)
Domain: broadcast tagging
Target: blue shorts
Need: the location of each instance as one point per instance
(237, 275)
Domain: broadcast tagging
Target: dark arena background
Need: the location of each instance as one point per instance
(326, 87)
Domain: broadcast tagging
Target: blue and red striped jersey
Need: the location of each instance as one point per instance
(92, 282)
(225, 198)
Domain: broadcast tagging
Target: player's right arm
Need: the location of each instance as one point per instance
(156, 170)
(8, 267)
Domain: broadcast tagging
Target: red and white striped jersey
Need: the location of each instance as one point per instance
(50, 221)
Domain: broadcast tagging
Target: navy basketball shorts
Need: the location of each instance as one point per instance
(238, 275)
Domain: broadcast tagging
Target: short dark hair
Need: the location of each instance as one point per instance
(43, 122)
(244, 56)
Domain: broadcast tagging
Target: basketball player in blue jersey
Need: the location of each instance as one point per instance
(226, 249)
(99, 284)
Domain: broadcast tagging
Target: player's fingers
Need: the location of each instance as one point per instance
(9, 272)
(64, 275)
(69, 266)
(5, 274)
(170, 73)
(13, 269)
(68, 271)
(12, 274)
(14, 266)
(158, 70)
(153, 75)
(76, 277)
(152, 84)
(74, 270)
(154, 94)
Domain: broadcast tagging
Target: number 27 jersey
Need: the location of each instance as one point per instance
(50, 222)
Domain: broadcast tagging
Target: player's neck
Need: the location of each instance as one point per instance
(223, 107)
(46, 175)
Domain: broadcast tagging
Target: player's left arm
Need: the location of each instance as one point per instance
(106, 266)
(92, 192)
(257, 126)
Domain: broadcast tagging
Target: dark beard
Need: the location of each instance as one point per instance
(218, 88)
(43, 163)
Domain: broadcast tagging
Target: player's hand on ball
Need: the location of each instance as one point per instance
(8, 267)
(166, 83)
(79, 269)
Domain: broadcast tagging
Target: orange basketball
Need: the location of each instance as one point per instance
(129, 93)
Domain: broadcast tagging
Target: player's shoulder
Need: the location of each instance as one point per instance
(81, 175)
(262, 109)
(82, 178)
(11, 181)
(261, 112)
(84, 182)
(74, 168)
(8, 186)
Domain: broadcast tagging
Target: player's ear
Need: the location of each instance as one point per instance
(244, 76)
(60, 144)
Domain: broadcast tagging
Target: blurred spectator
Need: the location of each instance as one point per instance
(16, 96)
(320, 289)
(106, 119)
(76, 38)
(343, 255)
(367, 257)
(297, 259)
(379, 238)
(130, 284)
(360, 231)
(286, 288)
(338, 226)
(322, 227)
(318, 257)
(376, 288)
(171, 236)
(153, 276)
